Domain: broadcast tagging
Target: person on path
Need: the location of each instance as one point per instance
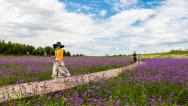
(59, 69)
(135, 57)
(139, 59)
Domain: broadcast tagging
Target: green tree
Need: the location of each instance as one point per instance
(64, 53)
(23, 49)
(39, 51)
(47, 50)
(52, 51)
(68, 53)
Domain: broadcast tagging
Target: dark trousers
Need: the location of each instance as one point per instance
(135, 59)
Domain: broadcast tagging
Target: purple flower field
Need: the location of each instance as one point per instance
(15, 68)
(42, 64)
(163, 69)
(157, 81)
(69, 61)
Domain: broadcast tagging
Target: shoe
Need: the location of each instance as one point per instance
(68, 75)
(55, 80)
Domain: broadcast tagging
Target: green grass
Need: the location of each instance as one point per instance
(171, 54)
(122, 89)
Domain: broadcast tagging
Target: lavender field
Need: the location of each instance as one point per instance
(156, 82)
(157, 70)
(26, 69)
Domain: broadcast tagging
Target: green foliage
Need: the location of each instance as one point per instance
(68, 53)
(178, 52)
(39, 51)
(48, 49)
(170, 54)
(77, 55)
(22, 49)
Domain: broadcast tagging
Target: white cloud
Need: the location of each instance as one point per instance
(102, 13)
(119, 5)
(43, 23)
(86, 7)
(168, 25)
(77, 7)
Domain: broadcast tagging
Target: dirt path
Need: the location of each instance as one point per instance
(18, 91)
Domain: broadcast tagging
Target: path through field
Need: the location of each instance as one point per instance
(18, 91)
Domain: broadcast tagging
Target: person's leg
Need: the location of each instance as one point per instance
(54, 72)
(134, 60)
(62, 73)
(63, 70)
(140, 60)
(67, 71)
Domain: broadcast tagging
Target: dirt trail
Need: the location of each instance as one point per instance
(18, 91)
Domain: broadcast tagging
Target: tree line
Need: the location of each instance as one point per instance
(9, 48)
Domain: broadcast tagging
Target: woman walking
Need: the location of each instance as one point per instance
(59, 69)
(139, 59)
(135, 57)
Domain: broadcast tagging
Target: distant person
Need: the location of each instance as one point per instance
(59, 69)
(139, 59)
(135, 57)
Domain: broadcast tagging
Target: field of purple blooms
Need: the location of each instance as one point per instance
(170, 70)
(159, 82)
(26, 69)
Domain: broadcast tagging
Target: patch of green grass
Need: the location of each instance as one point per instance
(171, 54)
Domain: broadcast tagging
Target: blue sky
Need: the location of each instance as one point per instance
(95, 6)
(97, 27)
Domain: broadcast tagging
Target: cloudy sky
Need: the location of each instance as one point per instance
(97, 27)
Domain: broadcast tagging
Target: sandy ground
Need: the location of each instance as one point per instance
(18, 91)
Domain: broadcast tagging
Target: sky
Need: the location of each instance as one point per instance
(97, 27)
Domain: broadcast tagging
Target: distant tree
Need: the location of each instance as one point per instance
(68, 53)
(52, 51)
(2, 46)
(39, 51)
(28, 53)
(22, 49)
(81, 55)
(47, 50)
(106, 55)
(120, 55)
(64, 52)
(31, 49)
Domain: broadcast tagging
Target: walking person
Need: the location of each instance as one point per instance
(135, 57)
(59, 69)
(139, 59)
